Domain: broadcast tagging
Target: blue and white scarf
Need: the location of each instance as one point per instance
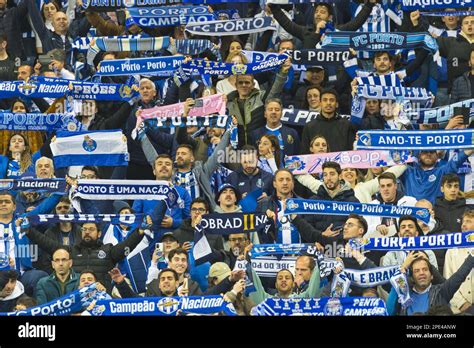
(133, 220)
(378, 41)
(99, 148)
(435, 241)
(217, 121)
(393, 92)
(125, 190)
(319, 57)
(448, 14)
(416, 140)
(39, 122)
(169, 16)
(346, 306)
(308, 206)
(225, 224)
(125, 44)
(440, 114)
(297, 117)
(413, 5)
(32, 184)
(203, 67)
(232, 27)
(74, 302)
(163, 306)
(156, 66)
(112, 5)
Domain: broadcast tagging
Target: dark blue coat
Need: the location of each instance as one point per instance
(291, 139)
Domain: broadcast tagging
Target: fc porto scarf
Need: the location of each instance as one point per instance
(99, 148)
(296, 117)
(39, 122)
(416, 140)
(219, 121)
(156, 66)
(125, 189)
(163, 306)
(448, 14)
(325, 306)
(319, 57)
(436, 241)
(74, 302)
(203, 67)
(114, 219)
(169, 15)
(231, 27)
(378, 41)
(440, 114)
(225, 224)
(310, 164)
(36, 185)
(413, 5)
(308, 206)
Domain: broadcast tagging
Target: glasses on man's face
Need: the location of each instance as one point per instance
(198, 210)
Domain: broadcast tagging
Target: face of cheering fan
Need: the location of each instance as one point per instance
(352, 229)
(467, 223)
(321, 13)
(48, 11)
(314, 98)
(467, 25)
(90, 232)
(60, 22)
(163, 168)
(319, 145)
(249, 162)
(244, 84)
(388, 189)
(86, 279)
(44, 168)
(421, 274)
(7, 205)
(184, 157)
(227, 198)
(329, 104)
(428, 158)
(284, 282)
(147, 91)
(382, 63)
(18, 108)
(372, 106)
(265, 146)
(235, 46)
(17, 144)
(283, 183)
(331, 178)
(168, 283)
(273, 113)
(349, 175)
(407, 229)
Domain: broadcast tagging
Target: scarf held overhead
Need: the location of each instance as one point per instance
(232, 27)
(156, 66)
(378, 41)
(413, 5)
(308, 206)
(416, 140)
(219, 121)
(309, 164)
(169, 16)
(210, 105)
(39, 122)
(36, 185)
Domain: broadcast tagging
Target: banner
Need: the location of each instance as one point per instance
(416, 140)
(308, 206)
(39, 122)
(125, 190)
(156, 66)
(114, 219)
(371, 277)
(219, 121)
(310, 164)
(378, 41)
(435, 241)
(73, 302)
(98, 148)
(413, 5)
(325, 306)
(448, 14)
(169, 15)
(163, 306)
(36, 185)
(440, 114)
(214, 104)
(232, 27)
(205, 67)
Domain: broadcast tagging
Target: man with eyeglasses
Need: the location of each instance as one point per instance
(91, 253)
(185, 232)
(62, 281)
(247, 102)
